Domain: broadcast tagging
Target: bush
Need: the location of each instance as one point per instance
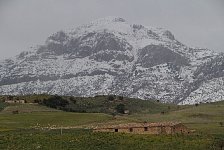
(10, 97)
(37, 101)
(55, 102)
(110, 97)
(72, 99)
(120, 108)
(120, 97)
(15, 112)
(163, 112)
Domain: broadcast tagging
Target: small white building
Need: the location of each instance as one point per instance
(15, 101)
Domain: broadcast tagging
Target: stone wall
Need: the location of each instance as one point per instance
(178, 128)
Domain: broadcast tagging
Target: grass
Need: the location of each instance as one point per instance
(203, 118)
(46, 119)
(87, 140)
(2, 106)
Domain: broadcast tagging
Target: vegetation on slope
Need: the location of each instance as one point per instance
(110, 104)
(107, 104)
(26, 108)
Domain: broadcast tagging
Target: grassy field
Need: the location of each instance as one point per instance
(49, 119)
(17, 130)
(87, 140)
(203, 118)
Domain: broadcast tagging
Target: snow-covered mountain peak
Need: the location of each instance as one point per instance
(109, 19)
(111, 56)
(110, 24)
(136, 35)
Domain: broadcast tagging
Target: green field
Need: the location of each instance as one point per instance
(204, 118)
(49, 119)
(39, 127)
(87, 140)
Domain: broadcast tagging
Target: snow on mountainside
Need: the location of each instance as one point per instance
(110, 56)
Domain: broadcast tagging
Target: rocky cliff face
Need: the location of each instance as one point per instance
(110, 56)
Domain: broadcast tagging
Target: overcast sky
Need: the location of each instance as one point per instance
(26, 23)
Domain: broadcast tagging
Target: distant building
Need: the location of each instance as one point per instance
(146, 128)
(15, 101)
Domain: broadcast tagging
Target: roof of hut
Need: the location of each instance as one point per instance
(137, 125)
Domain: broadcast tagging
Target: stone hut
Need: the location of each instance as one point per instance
(146, 128)
(15, 101)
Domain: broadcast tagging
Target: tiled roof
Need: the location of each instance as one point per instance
(137, 125)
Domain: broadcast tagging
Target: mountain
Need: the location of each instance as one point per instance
(110, 56)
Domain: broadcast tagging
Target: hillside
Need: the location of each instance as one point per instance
(202, 117)
(43, 129)
(206, 118)
(110, 56)
(26, 108)
(98, 104)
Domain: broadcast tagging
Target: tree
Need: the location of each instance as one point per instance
(120, 97)
(10, 97)
(37, 101)
(163, 112)
(15, 112)
(120, 108)
(72, 99)
(110, 97)
(55, 102)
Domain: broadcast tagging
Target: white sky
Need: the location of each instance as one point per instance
(26, 23)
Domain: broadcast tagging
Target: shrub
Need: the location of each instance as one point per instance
(120, 97)
(10, 97)
(120, 108)
(15, 112)
(163, 112)
(55, 102)
(37, 101)
(72, 99)
(110, 97)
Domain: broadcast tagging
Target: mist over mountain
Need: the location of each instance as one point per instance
(111, 56)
